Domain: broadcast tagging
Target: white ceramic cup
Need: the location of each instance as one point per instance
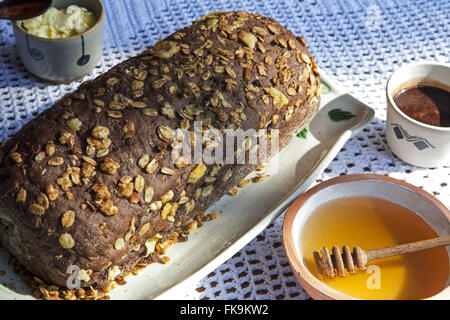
(412, 141)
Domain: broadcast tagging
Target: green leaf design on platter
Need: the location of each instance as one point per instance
(303, 134)
(337, 115)
(325, 88)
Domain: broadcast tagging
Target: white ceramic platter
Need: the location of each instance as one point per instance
(241, 217)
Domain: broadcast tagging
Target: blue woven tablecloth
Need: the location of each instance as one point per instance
(360, 43)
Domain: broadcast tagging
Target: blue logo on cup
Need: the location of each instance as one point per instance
(36, 54)
(84, 59)
(419, 142)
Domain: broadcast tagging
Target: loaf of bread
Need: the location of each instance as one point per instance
(91, 182)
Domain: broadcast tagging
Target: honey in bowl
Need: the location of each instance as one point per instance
(373, 223)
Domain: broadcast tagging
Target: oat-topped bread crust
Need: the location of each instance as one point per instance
(90, 181)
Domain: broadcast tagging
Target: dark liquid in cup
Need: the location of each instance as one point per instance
(427, 104)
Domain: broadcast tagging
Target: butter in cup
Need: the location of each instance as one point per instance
(60, 23)
(415, 142)
(63, 60)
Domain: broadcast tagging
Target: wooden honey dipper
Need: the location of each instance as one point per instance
(359, 258)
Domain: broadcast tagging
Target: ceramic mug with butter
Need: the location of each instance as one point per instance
(62, 60)
(415, 142)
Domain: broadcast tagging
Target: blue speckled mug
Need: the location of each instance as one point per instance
(66, 59)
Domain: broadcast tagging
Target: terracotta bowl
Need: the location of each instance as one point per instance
(399, 192)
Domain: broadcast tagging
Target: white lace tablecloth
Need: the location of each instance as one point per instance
(360, 43)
